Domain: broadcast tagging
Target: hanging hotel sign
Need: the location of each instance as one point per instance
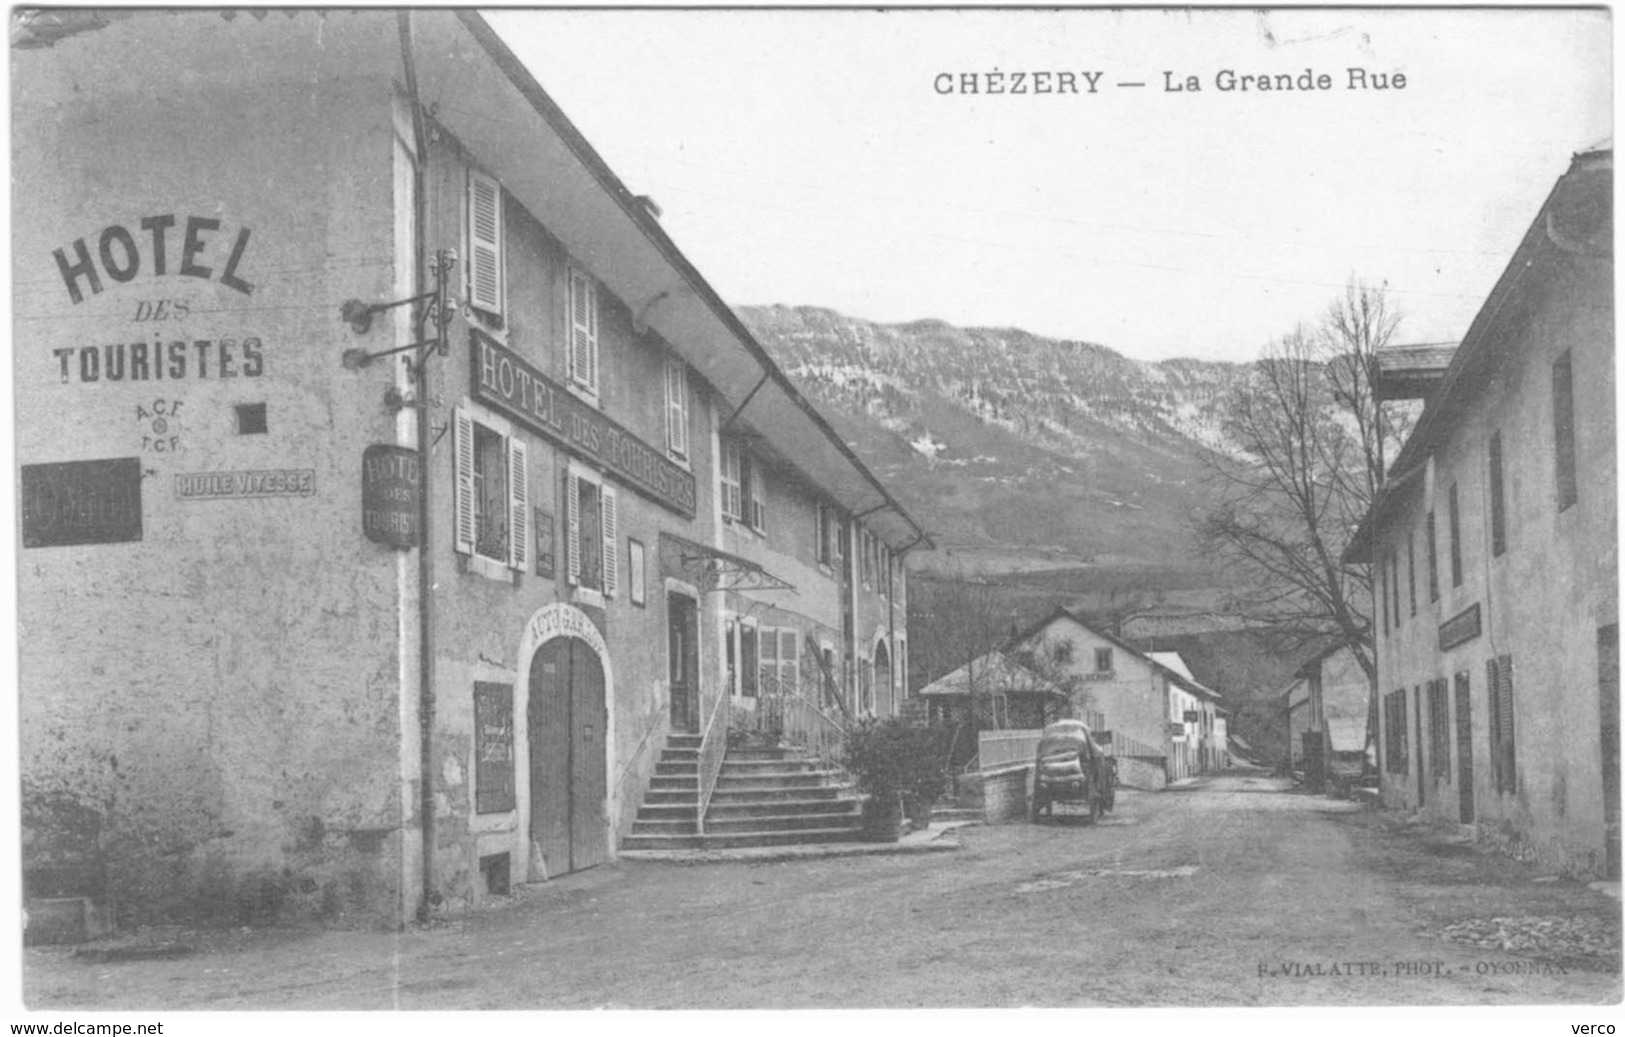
(1460, 628)
(81, 502)
(389, 495)
(504, 381)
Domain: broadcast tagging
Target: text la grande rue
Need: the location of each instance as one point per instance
(1230, 81)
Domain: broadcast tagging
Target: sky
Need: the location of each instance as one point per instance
(813, 157)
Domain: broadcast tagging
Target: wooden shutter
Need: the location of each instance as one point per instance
(676, 407)
(583, 331)
(518, 505)
(1506, 752)
(612, 559)
(748, 675)
(1568, 486)
(463, 462)
(484, 243)
(572, 523)
(1498, 517)
(767, 657)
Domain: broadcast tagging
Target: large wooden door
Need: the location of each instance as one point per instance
(1608, 692)
(567, 750)
(683, 661)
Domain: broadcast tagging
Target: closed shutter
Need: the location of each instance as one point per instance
(572, 523)
(463, 448)
(1507, 753)
(583, 332)
(518, 506)
(748, 676)
(612, 559)
(484, 243)
(677, 407)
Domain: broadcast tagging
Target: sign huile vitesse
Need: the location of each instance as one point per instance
(507, 383)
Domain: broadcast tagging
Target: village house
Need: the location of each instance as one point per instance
(1151, 709)
(1493, 545)
(394, 492)
(1328, 715)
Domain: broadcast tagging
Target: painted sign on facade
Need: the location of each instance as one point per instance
(517, 389)
(246, 485)
(389, 495)
(1460, 628)
(546, 563)
(81, 502)
(493, 748)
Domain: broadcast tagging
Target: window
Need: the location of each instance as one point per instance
(1410, 567)
(1382, 573)
(493, 748)
(1568, 487)
(583, 332)
(251, 419)
(1063, 652)
(1393, 570)
(779, 659)
(485, 275)
(1394, 727)
(677, 408)
(1433, 558)
(1103, 660)
(826, 538)
(1455, 539)
(866, 558)
(749, 674)
(590, 524)
(741, 492)
(1503, 754)
(1498, 517)
(492, 500)
(1439, 726)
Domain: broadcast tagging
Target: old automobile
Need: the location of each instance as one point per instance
(1070, 768)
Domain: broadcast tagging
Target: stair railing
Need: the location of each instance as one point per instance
(713, 747)
(796, 720)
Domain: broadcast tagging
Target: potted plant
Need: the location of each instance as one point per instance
(891, 759)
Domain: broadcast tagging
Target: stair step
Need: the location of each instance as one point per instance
(808, 835)
(673, 826)
(775, 823)
(776, 781)
(661, 842)
(676, 768)
(659, 811)
(673, 754)
(735, 792)
(674, 741)
(662, 797)
(722, 809)
(787, 763)
(670, 783)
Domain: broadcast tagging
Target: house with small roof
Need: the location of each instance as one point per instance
(1328, 708)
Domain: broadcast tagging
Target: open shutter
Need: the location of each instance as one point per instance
(1506, 751)
(767, 658)
(572, 521)
(677, 407)
(612, 559)
(463, 462)
(484, 243)
(518, 506)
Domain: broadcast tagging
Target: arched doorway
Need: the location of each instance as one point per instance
(885, 692)
(568, 739)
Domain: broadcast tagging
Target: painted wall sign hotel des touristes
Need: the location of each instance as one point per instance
(517, 389)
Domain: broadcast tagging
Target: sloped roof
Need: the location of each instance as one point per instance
(995, 671)
(1182, 679)
(1575, 220)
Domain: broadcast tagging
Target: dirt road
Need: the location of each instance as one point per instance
(1232, 892)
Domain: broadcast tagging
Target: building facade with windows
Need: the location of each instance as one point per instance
(1493, 547)
(392, 487)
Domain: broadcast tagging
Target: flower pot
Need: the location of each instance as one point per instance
(882, 819)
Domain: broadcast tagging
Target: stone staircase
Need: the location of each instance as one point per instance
(764, 797)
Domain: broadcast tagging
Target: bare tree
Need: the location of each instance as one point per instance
(1314, 439)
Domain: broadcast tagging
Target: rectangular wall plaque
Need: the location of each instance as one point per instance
(1460, 628)
(505, 382)
(389, 495)
(81, 502)
(246, 485)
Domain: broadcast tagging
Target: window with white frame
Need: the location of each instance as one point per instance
(677, 408)
(485, 249)
(827, 533)
(492, 505)
(741, 488)
(590, 529)
(583, 332)
(739, 654)
(1103, 660)
(778, 658)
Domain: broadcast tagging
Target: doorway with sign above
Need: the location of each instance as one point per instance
(683, 661)
(568, 739)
